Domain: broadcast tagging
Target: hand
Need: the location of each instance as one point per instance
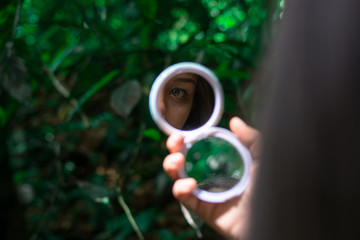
(230, 218)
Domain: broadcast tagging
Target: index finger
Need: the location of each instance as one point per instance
(249, 136)
(174, 143)
(244, 132)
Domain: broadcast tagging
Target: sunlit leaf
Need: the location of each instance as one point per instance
(153, 134)
(219, 37)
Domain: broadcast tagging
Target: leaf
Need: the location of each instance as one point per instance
(153, 134)
(146, 218)
(223, 71)
(94, 89)
(99, 119)
(3, 117)
(165, 233)
(62, 54)
(12, 74)
(230, 105)
(96, 192)
(120, 226)
(148, 8)
(103, 200)
(125, 98)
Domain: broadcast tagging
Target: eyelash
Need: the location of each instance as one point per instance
(184, 92)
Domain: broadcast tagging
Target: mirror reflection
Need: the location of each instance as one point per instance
(187, 101)
(215, 164)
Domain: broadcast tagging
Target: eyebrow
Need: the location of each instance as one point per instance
(186, 80)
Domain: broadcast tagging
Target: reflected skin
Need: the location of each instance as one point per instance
(177, 98)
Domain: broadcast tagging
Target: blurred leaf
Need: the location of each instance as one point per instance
(124, 98)
(103, 200)
(61, 55)
(94, 89)
(94, 191)
(119, 223)
(72, 126)
(23, 175)
(166, 234)
(99, 119)
(146, 218)
(12, 74)
(230, 105)
(123, 228)
(153, 134)
(237, 74)
(148, 8)
(112, 134)
(3, 117)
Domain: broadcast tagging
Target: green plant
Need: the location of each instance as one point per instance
(85, 159)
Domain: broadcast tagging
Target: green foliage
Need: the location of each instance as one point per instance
(93, 89)
(153, 134)
(213, 158)
(3, 117)
(70, 151)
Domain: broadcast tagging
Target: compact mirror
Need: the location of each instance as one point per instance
(187, 98)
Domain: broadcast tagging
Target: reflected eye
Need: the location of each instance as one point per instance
(178, 93)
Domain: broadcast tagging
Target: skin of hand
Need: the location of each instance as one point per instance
(231, 218)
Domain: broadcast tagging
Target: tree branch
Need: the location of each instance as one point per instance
(128, 214)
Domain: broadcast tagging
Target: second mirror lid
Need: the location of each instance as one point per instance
(178, 107)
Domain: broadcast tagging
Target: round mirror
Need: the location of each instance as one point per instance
(219, 162)
(186, 97)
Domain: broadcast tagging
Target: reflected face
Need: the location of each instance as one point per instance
(177, 99)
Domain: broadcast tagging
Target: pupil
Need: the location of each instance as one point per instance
(177, 92)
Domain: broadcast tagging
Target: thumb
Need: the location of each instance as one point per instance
(246, 134)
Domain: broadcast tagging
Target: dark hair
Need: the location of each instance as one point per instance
(218, 184)
(203, 105)
(308, 180)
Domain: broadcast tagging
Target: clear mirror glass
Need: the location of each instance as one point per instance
(186, 101)
(215, 163)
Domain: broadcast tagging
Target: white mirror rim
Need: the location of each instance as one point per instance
(168, 74)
